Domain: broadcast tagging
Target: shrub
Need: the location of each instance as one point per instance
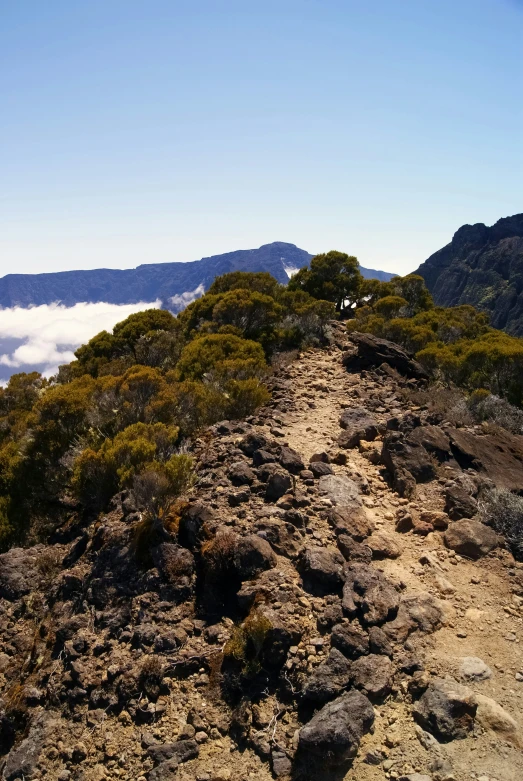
(503, 510)
(244, 397)
(257, 281)
(142, 447)
(486, 406)
(224, 353)
(247, 641)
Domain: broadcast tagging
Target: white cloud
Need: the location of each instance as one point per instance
(182, 300)
(50, 333)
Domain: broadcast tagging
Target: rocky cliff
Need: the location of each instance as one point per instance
(482, 266)
(324, 603)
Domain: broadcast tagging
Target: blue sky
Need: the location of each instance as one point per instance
(159, 130)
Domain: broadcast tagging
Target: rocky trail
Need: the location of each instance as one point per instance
(326, 604)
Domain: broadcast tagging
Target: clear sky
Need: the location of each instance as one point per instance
(140, 131)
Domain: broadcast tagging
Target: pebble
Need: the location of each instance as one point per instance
(474, 669)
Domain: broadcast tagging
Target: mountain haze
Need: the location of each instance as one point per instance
(482, 266)
(153, 281)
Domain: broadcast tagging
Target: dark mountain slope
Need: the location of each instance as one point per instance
(482, 266)
(152, 281)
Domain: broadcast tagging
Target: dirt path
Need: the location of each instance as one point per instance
(484, 619)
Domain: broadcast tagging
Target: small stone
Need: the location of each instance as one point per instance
(474, 669)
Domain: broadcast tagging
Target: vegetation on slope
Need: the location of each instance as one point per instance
(119, 414)
(121, 411)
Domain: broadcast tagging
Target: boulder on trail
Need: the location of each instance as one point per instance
(474, 669)
(291, 460)
(434, 440)
(320, 468)
(459, 504)
(373, 674)
(18, 572)
(352, 550)
(240, 473)
(358, 424)
(497, 456)
(407, 461)
(417, 612)
(471, 538)
(252, 441)
(350, 639)
(22, 760)
(322, 570)
(371, 351)
(492, 716)
(278, 484)
(383, 546)
(333, 734)
(368, 594)
(252, 556)
(447, 710)
(329, 679)
(341, 490)
(351, 520)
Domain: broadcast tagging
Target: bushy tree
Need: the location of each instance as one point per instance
(255, 281)
(332, 276)
(225, 354)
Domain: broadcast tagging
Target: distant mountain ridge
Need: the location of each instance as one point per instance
(167, 282)
(482, 266)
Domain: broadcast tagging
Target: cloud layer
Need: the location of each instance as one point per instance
(182, 300)
(43, 337)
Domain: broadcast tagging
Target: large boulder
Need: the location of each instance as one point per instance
(291, 460)
(459, 503)
(252, 441)
(320, 468)
(373, 674)
(369, 595)
(383, 546)
(350, 639)
(497, 456)
(341, 490)
(434, 440)
(371, 351)
(240, 473)
(417, 613)
(22, 760)
(447, 710)
(252, 556)
(358, 424)
(490, 715)
(407, 461)
(471, 538)
(322, 570)
(191, 522)
(351, 520)
(278, 484)
(329, 679)
(333, 734)
(18, 572)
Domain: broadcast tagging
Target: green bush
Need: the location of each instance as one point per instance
(227, 355)
(332, 276)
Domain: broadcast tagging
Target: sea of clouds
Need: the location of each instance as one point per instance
(41, 338)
